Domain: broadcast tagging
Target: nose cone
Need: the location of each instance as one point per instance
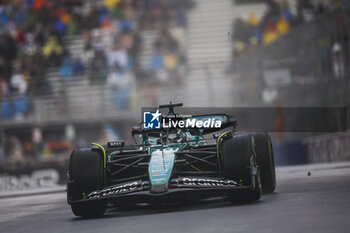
(160, 168)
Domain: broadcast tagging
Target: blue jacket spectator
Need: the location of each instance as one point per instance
(60, 27)
(6, 109)
(67, 68)
(20, 105)
(156, 62)
(79, 67)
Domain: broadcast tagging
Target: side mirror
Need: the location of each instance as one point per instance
(233, 121)
(136, 129)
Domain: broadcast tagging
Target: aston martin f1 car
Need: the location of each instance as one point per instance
(172, 164)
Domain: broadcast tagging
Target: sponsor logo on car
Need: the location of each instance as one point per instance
(117, 189)
(206, 182)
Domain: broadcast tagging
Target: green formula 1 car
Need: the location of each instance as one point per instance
(172, 164)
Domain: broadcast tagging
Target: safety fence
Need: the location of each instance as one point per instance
(328, 148)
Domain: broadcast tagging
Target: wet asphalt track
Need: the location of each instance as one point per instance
(316, 203)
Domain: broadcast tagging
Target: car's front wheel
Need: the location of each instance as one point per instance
(266, 161)
(86, 174)
(239, 163)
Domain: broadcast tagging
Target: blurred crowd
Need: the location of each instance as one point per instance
(34, 35)
(37, 38)
(311, 55)
(168, 61)
(277, 21)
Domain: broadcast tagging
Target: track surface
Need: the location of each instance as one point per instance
(318, 203)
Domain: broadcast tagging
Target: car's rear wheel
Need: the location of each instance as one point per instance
(266, 161)
(86, 173)
(238, 164)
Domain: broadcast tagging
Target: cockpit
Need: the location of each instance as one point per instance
(168, 136)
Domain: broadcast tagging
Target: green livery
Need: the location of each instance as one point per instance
(172, 164)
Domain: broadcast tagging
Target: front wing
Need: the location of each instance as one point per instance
(140, 190)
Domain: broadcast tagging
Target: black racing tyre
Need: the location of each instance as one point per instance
(238, 154)
(86, 173)
(266, 161)
(89, 209)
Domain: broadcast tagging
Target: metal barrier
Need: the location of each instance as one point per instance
(56, 109)
(328, 148)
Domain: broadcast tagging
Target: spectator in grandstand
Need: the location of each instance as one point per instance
(3, 88)
(157, 67)
(39, 86)
(271, 33)
(88, 52)
(159, 14)
(6, 109)
(124, 89)
(79, 68)
(8, 47)
(286, 12)
(171, 64)
(20, 107)
(73, 25)
(240, 35)
(118, 57)
(17, 106)
(40, 35)
(178, 34)
(181, 18)
(165, 60)
(98, 66)
(28, 152)
(18, 83)
(274, 23)
(135, 50)
(156, 61)
(53, 51)
(61, 27)
(303, 8)
(170, 60)
(118, 87)
(8, 52)
(3, 158)
(66, 69)
(338, 60)
(325, 54)
(13, 149)
(282, 26)
(253, 19)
